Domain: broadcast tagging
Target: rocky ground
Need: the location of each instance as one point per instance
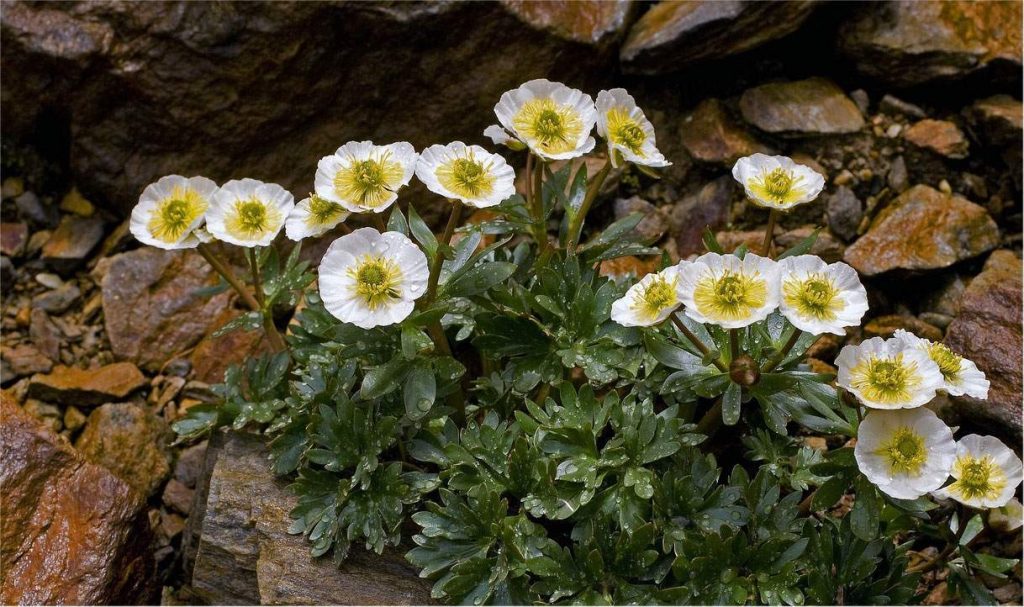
(911, 110)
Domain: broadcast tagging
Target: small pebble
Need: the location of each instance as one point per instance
(944, 187)
(893, 131)
(50, 281)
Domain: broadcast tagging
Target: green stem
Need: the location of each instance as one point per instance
(273, 336)
(704, 350)
(540, 230)
(774, 361)
(438, 260)
(712, 419)
(225, 271)
(576, 226)
(940, 558)
(734, 344)
(769, 233)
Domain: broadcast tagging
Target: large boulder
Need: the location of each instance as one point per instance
(71, 531)
(264, 89)
(908, 43)
(240, 552)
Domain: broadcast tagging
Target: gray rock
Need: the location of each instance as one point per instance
(58, 300)
(32, 209)
(812, 106)
(707, 208)
(653, 226)
(845, 212)
(894, 106)
(860, 97)
(898, 178)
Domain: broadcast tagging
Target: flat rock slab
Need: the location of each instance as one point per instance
(72, 532)
(151, 307)
(923, 229)
(87, 387)
(812, 106)
(999, 119)
(597, 23)
(940, 136)
(243, 553)
(70, 244)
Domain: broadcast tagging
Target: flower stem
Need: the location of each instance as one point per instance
(769, 233)
(225, 271)
(273, 336)
(706, 351)
(734, 344)
(378, 222)
(940, 558)
(536, 198)
(711, 421)
(774, 361)
(576, 227)
(438, 260)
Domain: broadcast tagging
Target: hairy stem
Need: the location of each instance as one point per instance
(940, 558)
(704, 350)
(711, 420)
(225, 271)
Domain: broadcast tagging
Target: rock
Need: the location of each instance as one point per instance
(860, 97)
(909, 43)
(8, 275)
(987, 330)
(997, 119)
(923, 229)
(12, 187)
(213, 355)
(58, 300)
(898, 178)
(1007, 518)
(190, 464)
(44, 334)
(50, 281)
(178, 496)
(654, 224)
(886, 326)
(812, 106)
(72, 241)
(25, 359)
(74, 202)
(711, 135)
(707, 208)
(150, 306)
(303, 67)
(88, 387)
(245, 555)
(74, 419)
(171, 525)
(825, 246)
(672, 35)
(129, 441)
(72, 532)
(895, 106)
(47, 414)
(939, 595)
(13, 238)
(939, 136)
(594, 22)
(629, 268)
(844, 212)
(35, 211)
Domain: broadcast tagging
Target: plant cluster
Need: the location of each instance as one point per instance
(543, 433)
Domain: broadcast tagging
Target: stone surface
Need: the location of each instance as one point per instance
(908, 43)
(87, 387)
(886, 326)
(672, 35)
(213, 355)
(654, 224)
(129, 441)
(72, 241)
(706, 208)
(923, 229)
(177, 495)
(57, 301)
(150, 306)
(253, 77)
(45, 334)
(629, 267)
(987, 330)
(844, 212)
(246, 555)
(72, 532)
(812, 106)
(32, 209)
(590, 21)
(13, 238)
(25, 359)
(709, 134)
(997, 119)
(940, 136)
(825, 246)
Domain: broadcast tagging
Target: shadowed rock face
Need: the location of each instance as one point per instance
(72, 532)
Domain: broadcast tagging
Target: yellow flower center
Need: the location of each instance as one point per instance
(323, 211)
(368, 182)
(544, 123)
(173, 216)
(377, 281)
(885, 380)
(905, 452)
(466, 177)
(625, 131)
(814, 296)
(977, 477)
(731, 296)
(779, 186)
(655, 297)
(252, 218)
(947, 360)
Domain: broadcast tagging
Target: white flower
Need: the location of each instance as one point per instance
(249, 213)
(467, 173)
(777, 182)
(553, 120)
(960, 376)
(987, 473)
(312, 217)
(906, 453)
(821, 298)
(500, 136)
(728, 291)
(363, 177)
(629, 133)
(885, 374)
(649, 301)
(1008, 517)
(170, 210)
(371, 279)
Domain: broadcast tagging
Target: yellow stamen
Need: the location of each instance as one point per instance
(625, 131)
(252, 218)
(731, 296)
(554, 128)
(947, 360)
(466, 177)
(323, 211)
(885, 380)
(977, 478)
(814, 296)
(779, 186)
(173, 215)
(905, 452)
(377, 280)
(368, 182)
(658, 295)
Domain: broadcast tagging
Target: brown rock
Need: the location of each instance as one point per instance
(595, 22)
(654, 224)
(731, 240)
(844, 212)
(44, 334)
(809, 106)
(987, 330)
(57, 301)
(672, 35)
(939, 136)
(628, 267)
(74, 419)
(190, 464)
(886, 326)
(707, 208)
(711, 135)
(74, 202)
(825, 246)
(923, 229)
(908, 43)
(213, 355)
(72, 241)
(178, 496)
(25, 359)
(150, 306)
(998, 119)
(87, 387)
(72, 533)
(130, 442)
(13, 238)
(247, 556)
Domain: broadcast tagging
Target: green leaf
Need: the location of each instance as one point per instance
(384, 379)
(801, 247)
(397, 223)
(867, 508)
(421, 232)
(419, 392)
(414, 341)
(480, 279)
(731, 404)
(710, 242)
(830, 492)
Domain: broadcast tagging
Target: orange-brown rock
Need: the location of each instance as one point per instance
(72, 241)
(987, 330)
(998, 119)
(129, 441)
(214, 354)
(809, 106)
(710, 134)
(628, 267)
(87, 387)
(72, 532)
(923, 229)
(886, 326)
(590, 21)
(940, 136)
